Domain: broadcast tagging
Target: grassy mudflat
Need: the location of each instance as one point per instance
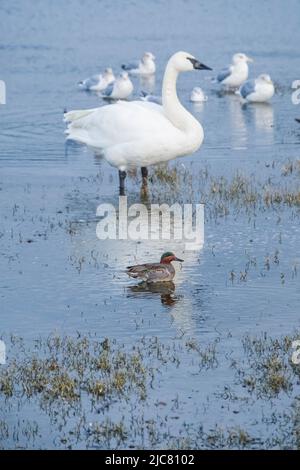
(98, 394)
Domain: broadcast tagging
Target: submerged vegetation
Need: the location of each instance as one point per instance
(92, 393)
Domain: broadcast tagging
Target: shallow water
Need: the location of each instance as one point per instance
(57, 276)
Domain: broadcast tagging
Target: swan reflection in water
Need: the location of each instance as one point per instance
(166, 291)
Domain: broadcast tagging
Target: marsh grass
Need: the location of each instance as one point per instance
(76, 383)
(224, 195)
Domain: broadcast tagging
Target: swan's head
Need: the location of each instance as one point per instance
(240, 57)
(184, 62)
(265, 78)
(148, 56)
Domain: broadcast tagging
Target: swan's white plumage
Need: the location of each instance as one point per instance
(119, 123)
(140, 133)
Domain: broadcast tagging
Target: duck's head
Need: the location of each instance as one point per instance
(184, 62)
(168, 257)
(265, 78)
(239, 57)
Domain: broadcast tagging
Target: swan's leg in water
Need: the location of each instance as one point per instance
(144, 171)
(122, 176)
(144, 188)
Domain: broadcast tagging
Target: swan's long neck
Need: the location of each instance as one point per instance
(173, 109)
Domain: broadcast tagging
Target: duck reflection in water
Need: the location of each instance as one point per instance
(164, 289)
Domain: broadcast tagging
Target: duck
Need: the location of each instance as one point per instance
(197, 95)
(120, 89)
(98, 82)
(235, 74)
(144, 66)
(258, 90)
(163, 271)
(137, 134)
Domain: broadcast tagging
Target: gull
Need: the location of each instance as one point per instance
(98, 82)
(235, 74)
(145, 66)
(197, 95)
(258, 90)
(120, 89)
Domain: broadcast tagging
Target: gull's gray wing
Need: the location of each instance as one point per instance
(131, 65)
(247, 88)
(108, 90)
(89, 82)
(226, 72)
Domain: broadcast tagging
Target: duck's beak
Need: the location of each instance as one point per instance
(198, 65)
(180, 260)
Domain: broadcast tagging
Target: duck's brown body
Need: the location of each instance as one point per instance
(155, 272)
(152, 272)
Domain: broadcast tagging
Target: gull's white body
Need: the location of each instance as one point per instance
(140, 133)
(98, 82)
(235, 74)
(145, 66)
(259, 90)
(120, 89)
(197, 95)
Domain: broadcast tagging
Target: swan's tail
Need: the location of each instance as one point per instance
(75, 127)
(72, 116)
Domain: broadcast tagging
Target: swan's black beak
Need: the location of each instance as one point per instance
(198, 65)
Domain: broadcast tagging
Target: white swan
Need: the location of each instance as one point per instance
(139, 133)
(235, 74)
(120, 89)
(259, 90)
(145, 66)
(98, 82)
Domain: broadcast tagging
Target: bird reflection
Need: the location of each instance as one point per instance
(198, 107)
(237, 120)
(264, 117)
(164, 289)
(147, 83)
